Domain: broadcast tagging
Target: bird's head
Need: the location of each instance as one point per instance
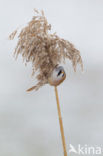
(57, 76)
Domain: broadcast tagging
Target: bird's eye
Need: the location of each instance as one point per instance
(59, 72)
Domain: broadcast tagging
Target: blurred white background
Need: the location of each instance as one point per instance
(29, 121)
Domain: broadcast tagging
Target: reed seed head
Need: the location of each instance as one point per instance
(45, 50)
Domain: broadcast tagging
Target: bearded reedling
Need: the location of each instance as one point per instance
(46, 51)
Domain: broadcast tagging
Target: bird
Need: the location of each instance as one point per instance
(45, 50)
(57, 76)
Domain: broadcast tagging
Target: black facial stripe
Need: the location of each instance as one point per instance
(59, 72)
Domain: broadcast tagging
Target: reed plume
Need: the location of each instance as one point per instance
(45, 50)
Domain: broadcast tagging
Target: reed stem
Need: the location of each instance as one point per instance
(60, 122)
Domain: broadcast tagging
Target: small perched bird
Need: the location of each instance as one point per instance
(45, 51)
(57, 76)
